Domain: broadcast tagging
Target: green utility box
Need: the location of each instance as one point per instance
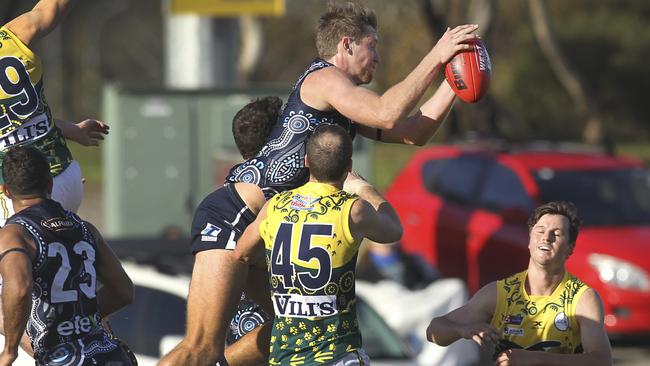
(169, 149)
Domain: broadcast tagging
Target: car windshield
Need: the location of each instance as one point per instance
(603, 197)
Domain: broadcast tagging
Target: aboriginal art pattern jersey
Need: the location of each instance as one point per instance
(280, 165)
(64, 322)
(311, 256)
(538, 323)
(25, 117)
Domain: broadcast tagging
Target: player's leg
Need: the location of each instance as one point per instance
(67, 187)
(216, 285)
(253, 348)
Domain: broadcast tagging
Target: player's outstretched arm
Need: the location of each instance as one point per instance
(86, 133)
(372, 216)
(117, 289)
(470, 321)
(16, 270)
(597, 350)
(40, 21)
(250, 246)
(332, 88)
(418, 128)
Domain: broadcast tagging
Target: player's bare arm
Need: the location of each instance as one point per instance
(117, 288)
(371, 216)
(16, 255)
(250, 246)
(597, 350)
(331, 88)
(88, 132)
(41, 20)
(470, 321)
(418, 128)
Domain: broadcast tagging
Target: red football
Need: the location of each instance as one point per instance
(468, 72)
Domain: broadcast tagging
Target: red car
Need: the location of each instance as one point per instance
(464, 209)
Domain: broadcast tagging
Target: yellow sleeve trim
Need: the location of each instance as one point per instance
(21, 46)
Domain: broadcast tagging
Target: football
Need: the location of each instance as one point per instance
(468, 73)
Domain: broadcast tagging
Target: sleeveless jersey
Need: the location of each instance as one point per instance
(311, 256)
(538, 323)
(64, 323)
(25, 117)
(280, 165)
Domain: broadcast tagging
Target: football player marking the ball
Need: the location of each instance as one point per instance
(312, 235)
(50, 261)
(328, 91)
(541, 316)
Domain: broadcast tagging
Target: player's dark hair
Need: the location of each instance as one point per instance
(342, 20)
(566, 209)
(252, 124)
(329, 152)
(26, 171)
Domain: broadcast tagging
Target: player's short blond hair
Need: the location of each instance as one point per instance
(342, 20)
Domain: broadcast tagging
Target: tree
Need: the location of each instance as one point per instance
(583, 98)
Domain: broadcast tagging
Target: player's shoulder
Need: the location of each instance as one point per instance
(14, 235)
(9, 232)
(589, 303)
(328, 76)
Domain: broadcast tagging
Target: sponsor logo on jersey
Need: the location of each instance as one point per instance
(513, 319)
(513, 331)
(561, 322)
(300, 306)
(59, 224)
(77, 326)
(31, 130)
(210, 232)
(303, 203)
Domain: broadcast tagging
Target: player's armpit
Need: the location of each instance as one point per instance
(250, 246)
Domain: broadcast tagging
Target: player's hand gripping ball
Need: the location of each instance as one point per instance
(468, 73)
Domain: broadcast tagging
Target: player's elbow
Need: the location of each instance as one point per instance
(395, 233)
(387, 118)
(432, 332)
(419, 140)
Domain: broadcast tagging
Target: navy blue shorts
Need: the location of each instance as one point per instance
(220, 220)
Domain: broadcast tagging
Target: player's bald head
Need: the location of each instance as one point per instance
(329, 153)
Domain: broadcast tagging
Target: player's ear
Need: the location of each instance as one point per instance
(50, 184)
(306, 161)
(5, 190)
(349, 168)
(346, 41)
